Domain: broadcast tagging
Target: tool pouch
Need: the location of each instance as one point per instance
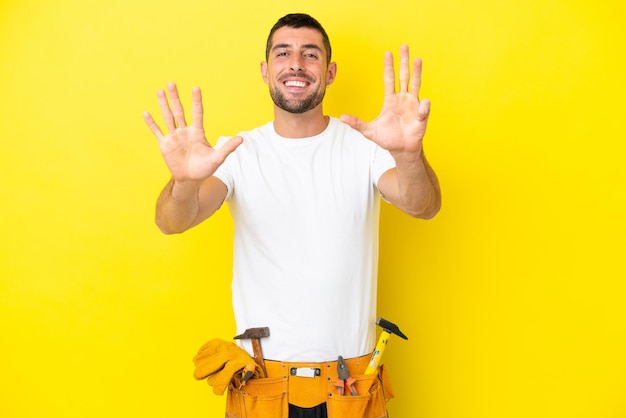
(259, 398)
(374, 391)
(270, 397)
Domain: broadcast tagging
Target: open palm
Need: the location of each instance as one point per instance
(186, 151)
(401, 125)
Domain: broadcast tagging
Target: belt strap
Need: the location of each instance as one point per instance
(310, 383)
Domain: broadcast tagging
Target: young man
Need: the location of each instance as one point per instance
(304, 191)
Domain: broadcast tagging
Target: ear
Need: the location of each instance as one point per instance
(264, 72)
(331, 73)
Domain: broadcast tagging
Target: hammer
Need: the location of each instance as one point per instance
(388, 329)
(255, 334)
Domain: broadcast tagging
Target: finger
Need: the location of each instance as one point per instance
(404, 72)
(147, 117)
(225, 149)
(416, 77)
(350, 120)
(230, 146)
(177, 107)
(355, 123)
(389, 75)
(197, 111)
(168, 118)
(423, 110)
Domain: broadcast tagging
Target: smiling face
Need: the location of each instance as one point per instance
(296, 69)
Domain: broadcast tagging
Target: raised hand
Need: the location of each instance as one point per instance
(401, 125)
(186, 151)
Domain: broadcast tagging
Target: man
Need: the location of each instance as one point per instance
(304, 192)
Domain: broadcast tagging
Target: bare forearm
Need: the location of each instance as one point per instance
(177, 206)
(419, 194)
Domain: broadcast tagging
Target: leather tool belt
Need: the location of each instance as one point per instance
(307, 385)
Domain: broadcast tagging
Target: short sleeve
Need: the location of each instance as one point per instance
(382, 161)
(225, 172)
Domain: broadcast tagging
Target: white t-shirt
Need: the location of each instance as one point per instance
(306, 214)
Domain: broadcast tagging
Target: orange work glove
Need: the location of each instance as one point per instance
(218, 361)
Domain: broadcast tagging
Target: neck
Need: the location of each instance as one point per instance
(299, 125)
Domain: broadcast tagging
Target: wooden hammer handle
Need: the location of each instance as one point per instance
(258, 353)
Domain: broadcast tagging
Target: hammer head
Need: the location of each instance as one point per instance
(254, 333)
(390, 327)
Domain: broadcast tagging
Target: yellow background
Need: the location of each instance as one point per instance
(513, 297)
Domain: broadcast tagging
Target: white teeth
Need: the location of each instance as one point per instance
(295, 84)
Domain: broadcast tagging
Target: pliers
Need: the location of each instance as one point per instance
(246, 374)
(344, 381)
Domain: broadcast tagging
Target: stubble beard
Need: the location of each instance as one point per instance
(300, 106)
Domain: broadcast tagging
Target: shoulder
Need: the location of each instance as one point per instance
(344, 133)
(335, 125)
(250, 137)
(264, 131)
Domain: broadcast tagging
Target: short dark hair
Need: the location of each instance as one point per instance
(298, 20)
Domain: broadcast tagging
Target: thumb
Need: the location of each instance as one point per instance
(424, 110)
(230, 145)
(225, 149)
(354, 122)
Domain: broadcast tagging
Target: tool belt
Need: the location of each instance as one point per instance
(307, 385)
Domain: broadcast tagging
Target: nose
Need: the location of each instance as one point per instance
(296, 63)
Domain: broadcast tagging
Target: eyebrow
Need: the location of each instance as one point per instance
(305, 46)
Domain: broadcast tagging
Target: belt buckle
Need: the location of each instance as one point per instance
(309, 372)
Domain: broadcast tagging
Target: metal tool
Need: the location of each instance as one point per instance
(388, 329)
(255, 335)
(247, 373)
(344, 381)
